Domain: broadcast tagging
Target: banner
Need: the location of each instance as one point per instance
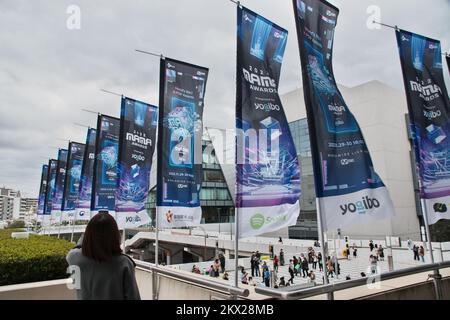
(105, 165)
(180, 130)
(267, 168)
(83, 205)
(51, 183)
(73, 176)
(138, 124)
(42, 193)
(59, 186)
(348, 188)
(429, 114)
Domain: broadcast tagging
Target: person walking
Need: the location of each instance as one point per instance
(330, 268)
(275, 263)
(416, 253)
(373, 263)
(291, 271)
(422, 253)
(216, 268)
(371, 245)
(315, 260)
(252, 263)
(381, 252)
(264, 268)
(320, 261)
(266, 277)
(296, 265)
(104, 272)
(222, 262)
(355, 252)
(305, 267)
(281, 257)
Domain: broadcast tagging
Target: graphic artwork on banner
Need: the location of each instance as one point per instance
(267, 169)
(138, 125)
(83, 204)
(59, 186)
(51, 183)
(429, 114)
(105, 165)
(180, 132)
(447, 57)
(347, 186)
(73, 177)
(42, 193)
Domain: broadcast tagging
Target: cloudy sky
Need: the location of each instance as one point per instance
(49, 72)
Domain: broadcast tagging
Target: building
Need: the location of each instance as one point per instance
(14, 207)
(380, 111)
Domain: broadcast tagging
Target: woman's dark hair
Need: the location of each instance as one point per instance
(102, 238)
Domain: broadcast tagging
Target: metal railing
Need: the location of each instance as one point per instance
(233, 292)
(324, 289)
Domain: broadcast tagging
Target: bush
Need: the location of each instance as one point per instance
(16, 224)
(39, 258)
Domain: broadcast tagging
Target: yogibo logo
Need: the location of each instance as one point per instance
(360, 206)
(134, 219)
(257, 221)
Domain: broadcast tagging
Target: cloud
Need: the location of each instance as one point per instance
(48, 73)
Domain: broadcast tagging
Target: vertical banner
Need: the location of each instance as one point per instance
(429, 113)
(72, 183)
(180, 130)
(347, 186)
(267, 169)
(138, 123)
(42, 193)
(83, 204)
(51, 183)
(59, 186)
(105, 165)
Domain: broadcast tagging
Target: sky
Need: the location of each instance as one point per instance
(49, 72)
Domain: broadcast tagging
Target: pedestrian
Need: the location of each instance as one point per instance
(216, 267)
(280, 240)
(373, 263)
(266, 277)
(222, 262)
(275, 263)
(256, 262)
(296, 265)
(104, 272)
(381, 252)
(416, 253)
(281, 257)
(305, 267)
(244, 277)
(291, 271)
(348, 252)
(371, 245)
(315, 260)
(252, 263)
(264, 268)
(312, 277)
(320, 260)
(355, 252)
(422, 253)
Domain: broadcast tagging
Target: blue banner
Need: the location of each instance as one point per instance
(105, 165)
(51, 183)
(83, 205)
(59, 186)
(42, 193)
(267, 169)
(429, 114)
(72, 183)
(180, 130)
(138, 123)
(348, 188)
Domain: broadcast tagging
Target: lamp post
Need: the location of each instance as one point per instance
(204, 248)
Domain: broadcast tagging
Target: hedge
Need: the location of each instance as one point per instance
(39, 258)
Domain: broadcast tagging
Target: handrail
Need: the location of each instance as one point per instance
(310, 292)
(226, 289)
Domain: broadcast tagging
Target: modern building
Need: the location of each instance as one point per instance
(380, 111)
(14, 207)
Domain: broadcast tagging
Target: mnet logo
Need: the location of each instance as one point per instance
(138, 139)
(261, 81)
(336, 108)
(360, 206)
(427, 93)
(267, 107)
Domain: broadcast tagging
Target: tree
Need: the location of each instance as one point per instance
(440, 232)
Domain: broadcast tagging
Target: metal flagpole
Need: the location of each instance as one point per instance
(73, 225)
(154, 278)
(330, 295)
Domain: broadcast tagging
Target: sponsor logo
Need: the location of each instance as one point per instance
(91, 156)
(346, 162)
(182, 186)
(278, 35)
(427, 93)
(432, 114)
(138, 139)
(137, 157)
(336, 108)
(440, 208)
(331, 14)
(405, 39)
(361, 207)
(267, 107)
(257, 221)
(135, 219)
(169, 216)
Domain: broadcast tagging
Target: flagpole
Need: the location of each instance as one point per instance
(154, 278)
(436, 275)
(330, 295)
(73, 225)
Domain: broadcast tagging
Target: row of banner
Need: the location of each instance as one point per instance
(111, 171)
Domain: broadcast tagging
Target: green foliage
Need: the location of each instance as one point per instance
(39, 258)
(440, 232)
(16, 224)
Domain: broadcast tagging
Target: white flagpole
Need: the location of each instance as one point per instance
(330, 295)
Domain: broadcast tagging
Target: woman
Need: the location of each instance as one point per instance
(104, 273)
(275, 263)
